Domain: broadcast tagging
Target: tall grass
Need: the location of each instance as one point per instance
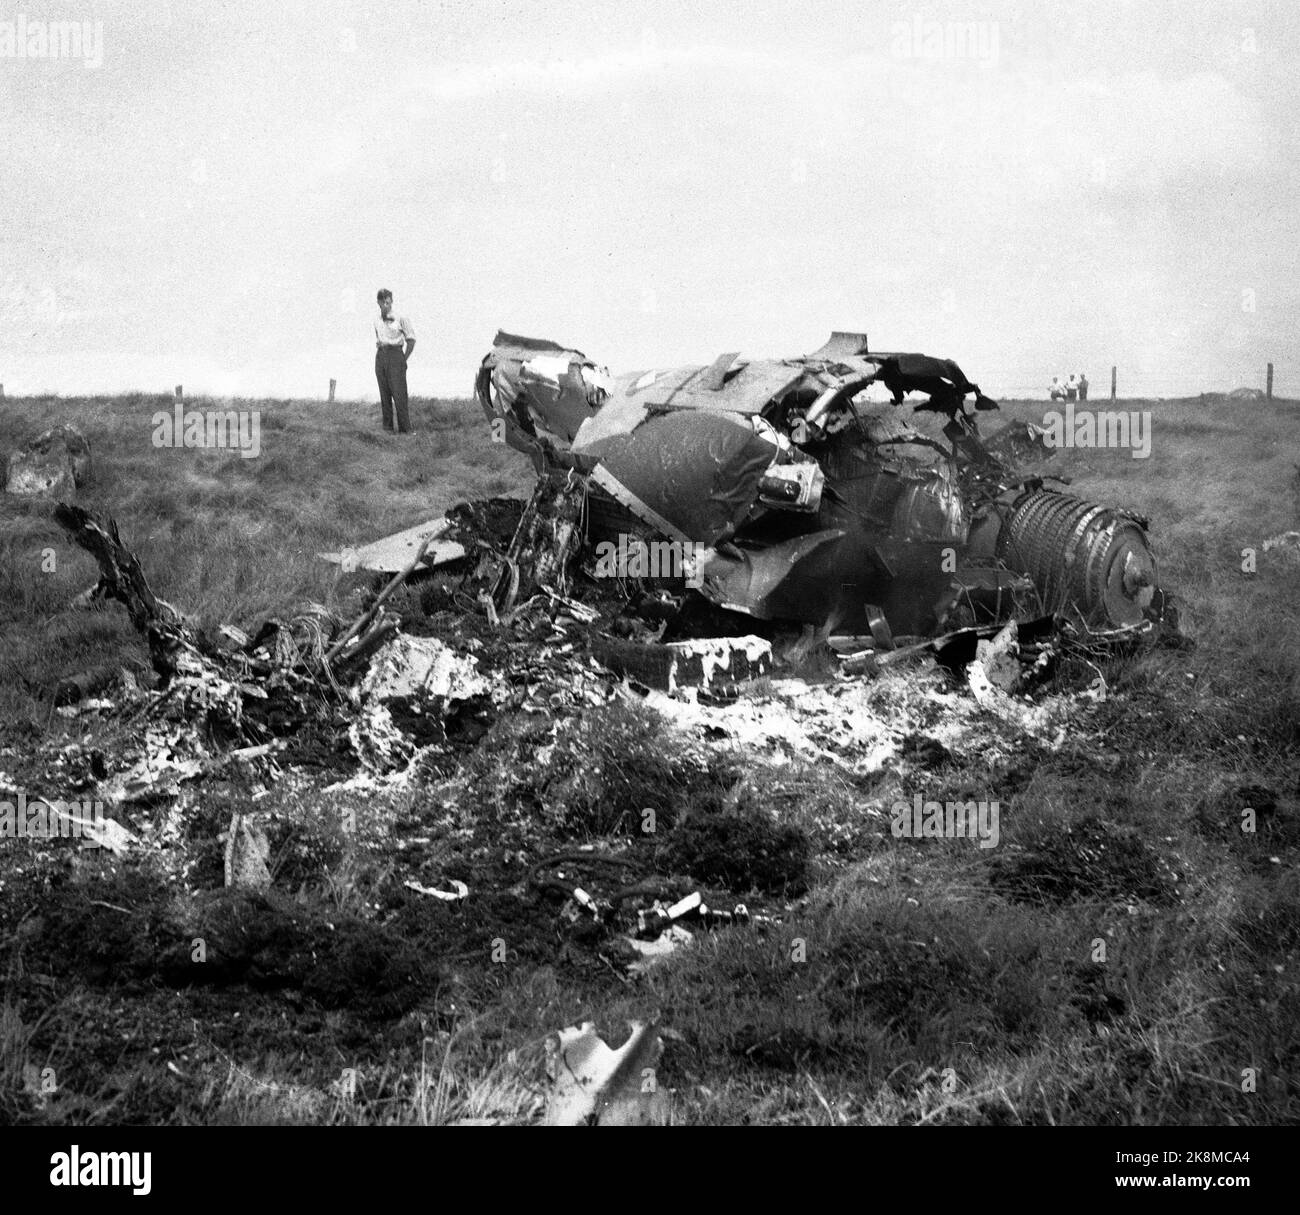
(226, 539)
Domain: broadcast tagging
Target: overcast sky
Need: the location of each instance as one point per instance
(1063, 186)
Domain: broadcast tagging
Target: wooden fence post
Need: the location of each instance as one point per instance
(1112, 383)
(1268, 391)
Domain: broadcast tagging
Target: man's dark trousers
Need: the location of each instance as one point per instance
(390, 371)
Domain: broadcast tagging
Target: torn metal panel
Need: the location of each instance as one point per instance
(422, 666)
(747, 390)
(394, 553)
(789, 580)
(839, 346)
(996, 664)
(593, 1085)
(716, 374)
(697, 472)
(539, 392)
(714, 664)
(619, 417)
(417, 693)
(946, 383)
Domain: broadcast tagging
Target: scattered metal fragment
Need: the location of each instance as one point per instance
(422, 667)
(247, 854)
(398, 552)
(652, 951)
(582, 899)
(594, 1085)
(653, 921)
(458, 891)
(103, 833)
(996, 664)
(712, 664)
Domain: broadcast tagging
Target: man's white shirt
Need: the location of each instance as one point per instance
(393, 331)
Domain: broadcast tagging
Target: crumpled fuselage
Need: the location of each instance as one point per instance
(807, 496)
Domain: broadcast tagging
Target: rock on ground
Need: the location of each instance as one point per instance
(56, 462)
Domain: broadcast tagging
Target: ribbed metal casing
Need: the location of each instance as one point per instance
(1080, 555)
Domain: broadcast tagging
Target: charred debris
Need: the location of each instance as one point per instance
(747, 548)
(690, 528)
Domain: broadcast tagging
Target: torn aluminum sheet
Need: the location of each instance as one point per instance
(422, 667)
(457, 892)
(395, 553)
(169, 755)
(537, 394)
(412, 679)
(650, 952)
(594, 1085)
(996, 664)
(104, 833)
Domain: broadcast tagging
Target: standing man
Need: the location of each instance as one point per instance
(394, 341)
(1083, 387)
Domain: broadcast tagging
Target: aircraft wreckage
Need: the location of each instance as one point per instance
(806, 510)
(792, 491)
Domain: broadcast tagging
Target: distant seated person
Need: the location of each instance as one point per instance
(1072, 388)
(1057, 390)
(1083, 387)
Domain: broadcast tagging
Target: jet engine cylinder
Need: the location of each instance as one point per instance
(1081, 556)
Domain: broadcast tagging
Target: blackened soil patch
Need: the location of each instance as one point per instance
(740, 851)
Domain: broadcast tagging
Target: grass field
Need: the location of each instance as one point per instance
(1128, 954)
(225, 538)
